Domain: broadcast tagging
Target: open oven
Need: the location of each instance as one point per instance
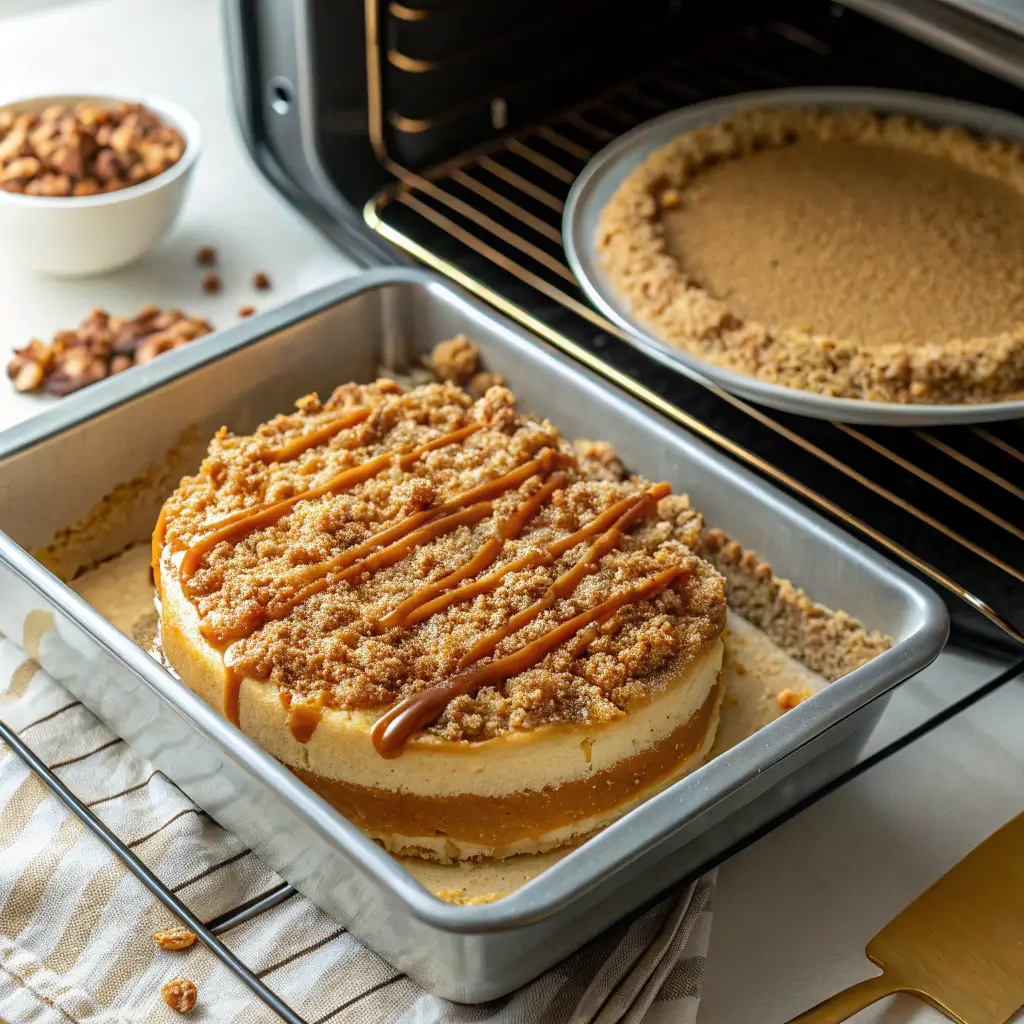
(449, 132)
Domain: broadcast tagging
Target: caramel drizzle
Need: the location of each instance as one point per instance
(392, 545)
(298, 445)
(544, 556)
(467, 508)
(303, 715)
(159, 536)
(234, 527)
(639, 506)
(393, 729)
(508, 529)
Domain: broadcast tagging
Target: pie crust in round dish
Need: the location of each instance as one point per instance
(834, 251)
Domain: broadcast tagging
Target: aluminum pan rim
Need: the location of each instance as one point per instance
(572, 878)
(606, 171)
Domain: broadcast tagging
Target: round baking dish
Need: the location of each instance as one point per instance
(609, 168)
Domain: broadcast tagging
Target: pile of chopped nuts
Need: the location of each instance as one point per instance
(85, 149)
(102, 345)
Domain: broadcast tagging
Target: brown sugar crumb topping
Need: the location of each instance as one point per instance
(360, 594)
(457, 360)
(754, 243)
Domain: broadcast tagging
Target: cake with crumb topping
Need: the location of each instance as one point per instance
(471, 636)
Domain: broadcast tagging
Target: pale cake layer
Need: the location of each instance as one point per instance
(433, 767)
(445, 850)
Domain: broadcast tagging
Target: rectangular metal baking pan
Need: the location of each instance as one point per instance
(54, 469)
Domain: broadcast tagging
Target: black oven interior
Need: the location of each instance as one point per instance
(450, 131)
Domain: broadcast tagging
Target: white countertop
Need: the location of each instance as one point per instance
(794, 911)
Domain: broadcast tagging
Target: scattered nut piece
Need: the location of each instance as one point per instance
(180, 995)
(85, 149)
(456, 360)
(175, 938)
(246, 311)
(206, 256)
(101, 345)
(211, 283)
(788, 699)
(260, 281)
(27, 375)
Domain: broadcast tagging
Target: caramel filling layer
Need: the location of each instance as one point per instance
(496, 821)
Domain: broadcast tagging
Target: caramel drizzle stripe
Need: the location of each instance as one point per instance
(159, 536)
(237, 525)
(588, 636)
(316, 437)
(396, 542)
(381, 559)
(393, 729)
(567, 583)
(544, 556)
(304, 720)
(508, 529)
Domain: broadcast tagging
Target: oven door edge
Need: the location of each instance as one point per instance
(295, 171)
(973, 31)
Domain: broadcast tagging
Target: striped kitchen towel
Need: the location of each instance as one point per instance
(75, 926)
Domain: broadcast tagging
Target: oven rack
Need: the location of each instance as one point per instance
(948, 502)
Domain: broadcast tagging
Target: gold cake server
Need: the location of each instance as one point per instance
(958, 946)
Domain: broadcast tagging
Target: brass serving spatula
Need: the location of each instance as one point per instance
(958, 946)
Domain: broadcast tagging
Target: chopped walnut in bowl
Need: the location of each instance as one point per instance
(84, 149)
(89, 183)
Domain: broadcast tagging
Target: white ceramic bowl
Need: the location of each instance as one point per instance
(74, 236)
